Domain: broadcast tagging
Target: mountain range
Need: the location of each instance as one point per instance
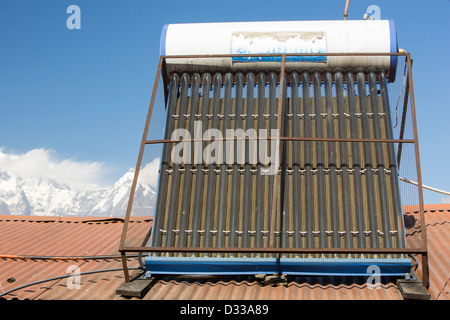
(47, 197)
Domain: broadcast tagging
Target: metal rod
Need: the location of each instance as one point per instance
(141, 152)
(275, 250)
(126, 272)
(402, 126)
(334, 54)
(273, 187)
(296, 159)
(419, 176)
(276, 177)
(259, 183)
(284, 186)
(283, 139)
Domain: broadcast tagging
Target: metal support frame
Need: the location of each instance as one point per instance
(409, 94)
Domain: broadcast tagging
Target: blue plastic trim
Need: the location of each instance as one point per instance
(289, 266)
(162, 41)
(394, 49)
(278, 59)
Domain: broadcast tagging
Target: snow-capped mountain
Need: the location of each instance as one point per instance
(38, 196)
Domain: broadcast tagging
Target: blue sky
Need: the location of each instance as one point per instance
(84, 94)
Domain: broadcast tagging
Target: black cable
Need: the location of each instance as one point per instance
(64, 276)
(144, 243)
(32, 257)
(415, 260)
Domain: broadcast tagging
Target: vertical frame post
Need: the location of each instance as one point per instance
(136, 172)
(425, 275)
(277, 177)
(402, 126)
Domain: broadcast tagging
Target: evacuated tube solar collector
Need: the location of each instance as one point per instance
(331, 194)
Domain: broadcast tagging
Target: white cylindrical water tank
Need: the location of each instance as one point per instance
(321, 37)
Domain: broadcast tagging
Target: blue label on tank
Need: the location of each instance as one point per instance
(279, 42)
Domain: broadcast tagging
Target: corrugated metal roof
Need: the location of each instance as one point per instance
(437, 220)
(297, 288)
(94, 236)
(55, 236)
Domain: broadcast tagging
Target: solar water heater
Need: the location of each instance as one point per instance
(278, 151)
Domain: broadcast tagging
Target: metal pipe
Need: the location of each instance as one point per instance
(198, 203)
(235, 189)
(188, 166)
(368, 166)
(346, 10)
(173, 200)
(223, 173)
(380, 161)
(285, 139)
(355, 162)
(320, 194)
(296, 159)
(247, 166)
(162, 186)
(259, 183)
(284, 186)
(308, 161)
(332, 160)
(210, 193)
(424, 186)
(272, 178)
(344, 160)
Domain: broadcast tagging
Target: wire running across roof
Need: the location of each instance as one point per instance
(332, 184)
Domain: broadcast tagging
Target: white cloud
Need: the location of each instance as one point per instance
(43, 163)
(149, 173)
(445, 199)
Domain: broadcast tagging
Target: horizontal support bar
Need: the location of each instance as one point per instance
(283, 139)
(274, 250)
(350, 54)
